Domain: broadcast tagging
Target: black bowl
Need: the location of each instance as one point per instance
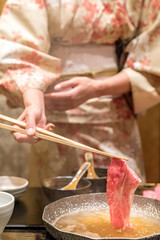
(52, 187)
(97, 184)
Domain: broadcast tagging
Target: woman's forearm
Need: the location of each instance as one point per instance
(33, 96)
(115, 85)
(74, 92)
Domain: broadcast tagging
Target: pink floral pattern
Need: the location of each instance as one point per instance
(107, 8)
(120, 15)
(17, 35)
(91, 11)
(33, 58)
(131, 62)
(101, 22)
(40, 3)
(25, 61)
(119, 105)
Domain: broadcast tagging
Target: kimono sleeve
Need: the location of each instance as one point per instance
(24, 45)
(143, 61)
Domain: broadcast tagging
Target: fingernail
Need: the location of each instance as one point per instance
(51, 128)
(57, 87)
(30, 131)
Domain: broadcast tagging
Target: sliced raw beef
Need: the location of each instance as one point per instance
(157, 189)
(152, 193)
(121, 185)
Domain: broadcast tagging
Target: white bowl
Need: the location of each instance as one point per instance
(14, 185)
(6, 209)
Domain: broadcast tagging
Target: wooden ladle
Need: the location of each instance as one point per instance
(91, 172)
(77, 177)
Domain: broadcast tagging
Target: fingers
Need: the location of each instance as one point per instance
(49, 127)
(34, 118)
(30, 124)
(23, 138)
(22, 116)
(33, 115)
(61, 101)
(30, 138)
(29, 118)
(60, 95)
(65, 85)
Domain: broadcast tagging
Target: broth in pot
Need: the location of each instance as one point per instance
(87, 216)
(96, 224)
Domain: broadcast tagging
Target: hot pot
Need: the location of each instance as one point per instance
(147, 206)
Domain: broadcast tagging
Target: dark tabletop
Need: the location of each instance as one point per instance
(26, 221)
(29, 208)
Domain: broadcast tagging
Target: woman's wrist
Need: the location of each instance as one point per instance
(33, 96)
(114, 85)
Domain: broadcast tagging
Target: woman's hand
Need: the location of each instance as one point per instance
(33, 115)
(72, 93)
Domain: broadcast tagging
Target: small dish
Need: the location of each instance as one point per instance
(14, 185)
(6, 209)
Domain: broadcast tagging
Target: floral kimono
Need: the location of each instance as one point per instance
(46, 41)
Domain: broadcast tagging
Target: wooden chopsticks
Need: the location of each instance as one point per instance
(50, 136)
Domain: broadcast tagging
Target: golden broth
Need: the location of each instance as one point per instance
(97, 225)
